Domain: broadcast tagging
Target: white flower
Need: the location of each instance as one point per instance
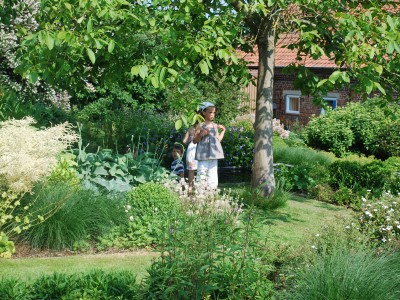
(317, 235)
(368, 214)
(384, 240)
(128, 207)
(131, 218)
(314, 247)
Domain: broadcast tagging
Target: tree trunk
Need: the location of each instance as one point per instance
(263, 168)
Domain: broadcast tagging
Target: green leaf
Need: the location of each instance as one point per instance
(379, 69)
(102, 13)
(334, 76)
(135, 70)
(111, 46)
(67, 6)
(178, 124)
(185, 121)
(321, 82)
(152, 22)
(80, 20)
(61, 35)
(101, 171)
(172, 72)
(369, 86)
(33, 77)
(204, 67)
(391, 22)
(162, 73)
(345, 77)
(154, 81)
(91, 55)
(390, 47)
(143, 71)
(49, 41)
(380, 88)
(89, 26)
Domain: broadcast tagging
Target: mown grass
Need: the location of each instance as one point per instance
(27, 269)
(288, 225)
(300, 218)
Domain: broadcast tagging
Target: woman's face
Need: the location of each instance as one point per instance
(209, 113)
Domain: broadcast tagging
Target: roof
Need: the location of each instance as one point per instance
(285, 56)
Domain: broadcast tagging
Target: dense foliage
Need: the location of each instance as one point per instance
(93, 285)
(362, 127)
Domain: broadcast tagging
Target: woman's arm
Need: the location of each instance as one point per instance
(186, 137)
(221, 134)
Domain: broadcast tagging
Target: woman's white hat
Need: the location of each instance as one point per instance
(204, 105)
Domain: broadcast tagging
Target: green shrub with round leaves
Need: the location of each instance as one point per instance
(369, 127)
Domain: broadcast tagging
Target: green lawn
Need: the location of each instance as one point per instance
(291, 225)
(31, 268)
(300, 218)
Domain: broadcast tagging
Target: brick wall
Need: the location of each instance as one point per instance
(284, 82)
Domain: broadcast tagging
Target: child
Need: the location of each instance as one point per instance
(209, 149)
(177, 167)
(191, 162)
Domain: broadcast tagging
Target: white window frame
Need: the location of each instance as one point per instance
(287, 101)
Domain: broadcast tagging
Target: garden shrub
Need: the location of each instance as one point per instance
(322, 192)
(105, 170)
(361, 175)
(238, 142)
(211, 252)
(301, 168)
(149, 206)
(363, 127)
(71, 216)
(346, 196)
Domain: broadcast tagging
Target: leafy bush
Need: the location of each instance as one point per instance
(365, 127)
(208, 253)
(93, 285)
(361, 175)
(352, 275)
(149, 207)
(238, 142)
(125, 127)
(71, 215)
(300, 168)
(119, 172)
(238, 145)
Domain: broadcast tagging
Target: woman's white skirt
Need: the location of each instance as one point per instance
(191, 163)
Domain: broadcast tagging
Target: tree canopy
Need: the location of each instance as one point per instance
(80, 40)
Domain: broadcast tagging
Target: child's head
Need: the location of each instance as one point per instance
(208, 111)
(177, 151)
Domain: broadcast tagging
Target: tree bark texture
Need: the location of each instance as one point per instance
(263, 167)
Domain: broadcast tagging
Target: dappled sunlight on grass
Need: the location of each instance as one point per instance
(300, 218)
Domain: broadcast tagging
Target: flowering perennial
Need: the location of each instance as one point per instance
(381, 219)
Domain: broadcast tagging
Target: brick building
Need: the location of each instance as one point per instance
(290, 106)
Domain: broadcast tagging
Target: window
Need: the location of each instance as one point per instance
(330, 102)
(293, 104)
